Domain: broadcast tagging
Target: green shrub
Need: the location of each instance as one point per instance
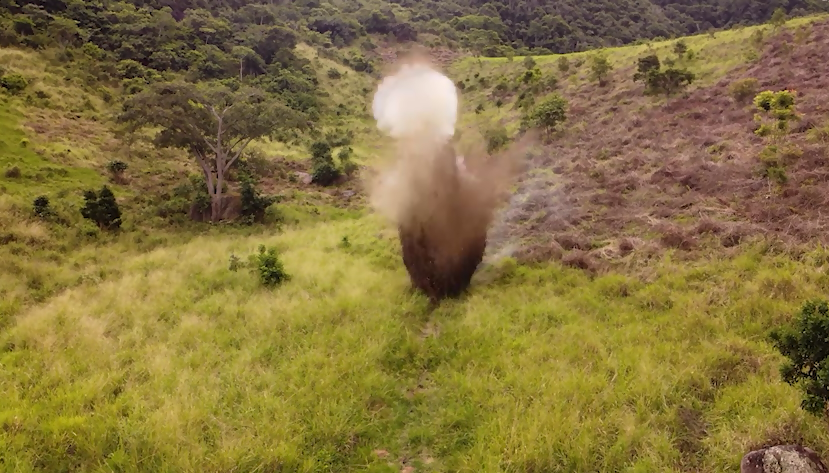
(563, 64)
(13, 83)
(496, 138)
(529, 62)
(13, 173)
(780, 107)
(743, 89)
(668, 82)
(102, 208)
(480, 108)
(347, 166)
(323, 172)
(806, 345)
(41, 207)
(253, 203)
(547, 114)
(334, 74)
(117, 168)
(267, 264)
(680, 48)
(600, 69)
(644, 66)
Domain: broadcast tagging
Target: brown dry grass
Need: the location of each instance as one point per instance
(684, 169)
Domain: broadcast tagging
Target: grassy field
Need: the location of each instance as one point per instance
(146, 351)
(177, 363)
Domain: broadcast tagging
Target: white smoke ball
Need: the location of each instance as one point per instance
(417, 101)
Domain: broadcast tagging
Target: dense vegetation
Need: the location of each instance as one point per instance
(253, 37)
(622, 323)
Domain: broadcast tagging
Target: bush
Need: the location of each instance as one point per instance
(644, 66)
(563, 64)
(680, 48)
(743, 89)
(529, 62)
(14, 83)
(806, 345)
(780, 106)
(496, 138)
(599, 69)
(41, 207)
(547, 114)
(102, 208)
(669, 81)
(324, 172)
(13, 173)
(253, 203)
(270, 269)
(480, 108)
(334, 74)
(346, 164)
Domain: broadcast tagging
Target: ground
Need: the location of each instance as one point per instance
(636, 352)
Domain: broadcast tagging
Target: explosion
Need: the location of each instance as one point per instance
(442, 202)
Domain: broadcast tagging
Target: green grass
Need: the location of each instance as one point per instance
(176, 363)
(143, 351)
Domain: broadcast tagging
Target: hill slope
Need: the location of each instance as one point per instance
(157, 350)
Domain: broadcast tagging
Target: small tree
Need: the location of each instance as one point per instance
(102, 208)
(806, 345)
(529, 62)
(778, 18)
(547, 114)
(599, 69)
(563, 64)
(324, 172)
(117, 168)
(215, 124)
(270, 269)
(254, 204)
(680, 48)
(644, 66)
(669, 81)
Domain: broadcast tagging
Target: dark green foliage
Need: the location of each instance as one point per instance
(806, 345)
(117, 168)
(334, 74)
(102, 208)
(547, 115)
(324, 172)
(680, 48)
(529, 62)
(254, 204)
(41, 207)
(13, 83)
(480, 108)
(645, 65)
(267, 264)
(667, 82)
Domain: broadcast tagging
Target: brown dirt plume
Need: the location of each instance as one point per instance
(442, 206)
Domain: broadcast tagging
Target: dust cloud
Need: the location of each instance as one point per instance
(440, 191)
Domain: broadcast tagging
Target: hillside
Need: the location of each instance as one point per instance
(619, 323)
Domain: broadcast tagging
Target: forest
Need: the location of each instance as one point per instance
(157, 33)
